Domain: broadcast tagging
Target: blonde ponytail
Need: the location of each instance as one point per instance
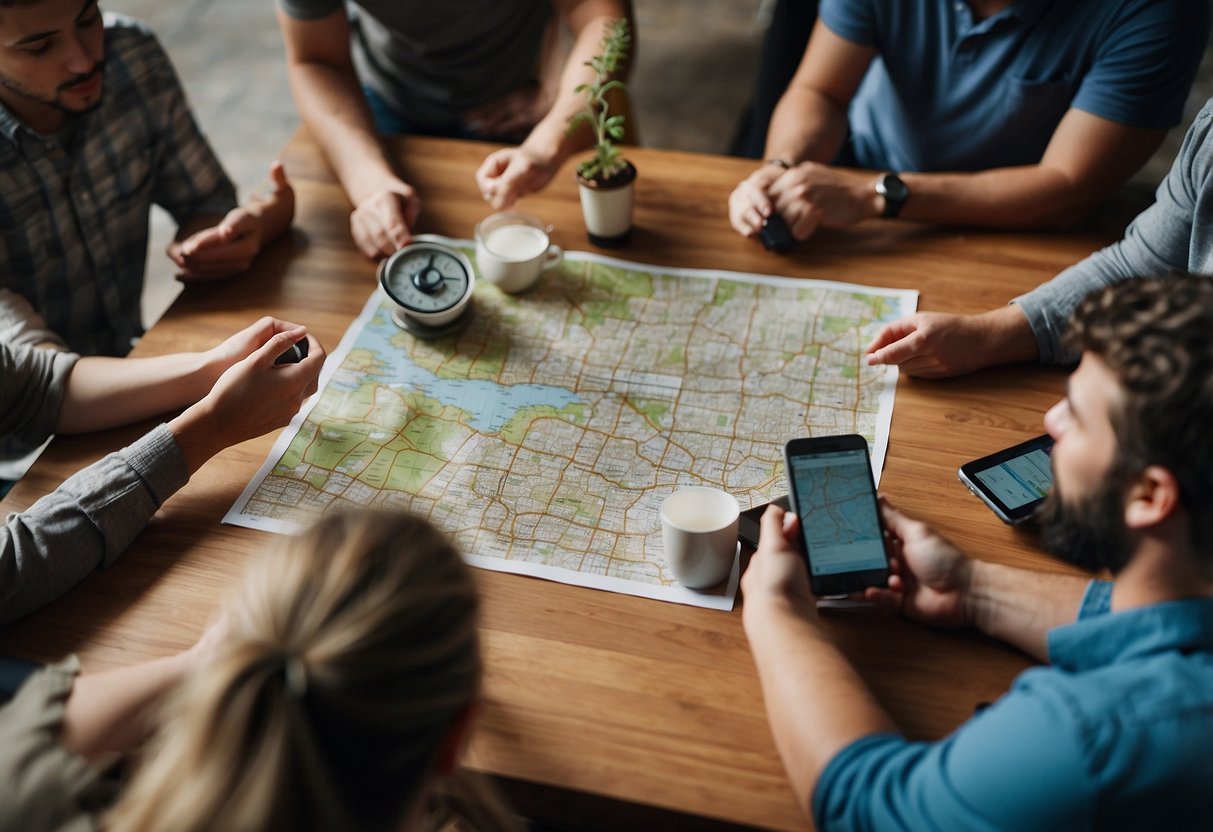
(353, 650)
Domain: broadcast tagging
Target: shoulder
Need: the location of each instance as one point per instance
(1194, 164)
(1146, 23)
(133, 51)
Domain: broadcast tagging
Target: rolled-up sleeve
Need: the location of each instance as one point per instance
(1159, 241)
(86, 522)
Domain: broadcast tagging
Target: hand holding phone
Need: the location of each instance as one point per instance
(775, 234)
(832, 490)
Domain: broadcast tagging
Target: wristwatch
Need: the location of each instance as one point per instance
(895, 194)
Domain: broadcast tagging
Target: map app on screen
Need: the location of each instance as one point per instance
(838, 512)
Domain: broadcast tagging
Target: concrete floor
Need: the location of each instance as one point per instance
(695, 65)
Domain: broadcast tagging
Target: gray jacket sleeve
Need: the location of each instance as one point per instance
(86, 522)
(1166, 237)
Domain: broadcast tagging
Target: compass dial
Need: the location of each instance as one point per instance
(429, 281)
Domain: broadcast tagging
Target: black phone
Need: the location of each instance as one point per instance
(1013, 482)
(775, 234)
(830, 479)
(749, 523)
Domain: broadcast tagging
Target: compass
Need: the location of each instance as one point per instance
(431, 284)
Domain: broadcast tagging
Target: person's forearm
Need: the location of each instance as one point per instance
(334, 108)
(806, 127)
(815, 701)
(1020, 606)
(113, 711)
(105, 392)
(1008, 337)
(85, 523)
(275, 211)
(1032, 196)
(550, 140)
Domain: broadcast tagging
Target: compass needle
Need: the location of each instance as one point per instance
(431, 284)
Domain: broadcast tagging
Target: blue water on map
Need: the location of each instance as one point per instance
(489, 404)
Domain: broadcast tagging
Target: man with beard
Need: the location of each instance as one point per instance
(1116, 732)
(94, 128)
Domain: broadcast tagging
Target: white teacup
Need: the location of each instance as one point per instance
(513, 249)
(699, 531)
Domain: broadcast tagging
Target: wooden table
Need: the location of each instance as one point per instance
(605, 709)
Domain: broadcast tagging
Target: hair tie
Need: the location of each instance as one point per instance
(295, 673)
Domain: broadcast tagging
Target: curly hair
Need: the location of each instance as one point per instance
(1156, 336)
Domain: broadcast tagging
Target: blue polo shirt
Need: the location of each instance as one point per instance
(1116, 734)
(950, 94)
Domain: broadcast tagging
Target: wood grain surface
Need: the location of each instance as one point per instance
(602, 709)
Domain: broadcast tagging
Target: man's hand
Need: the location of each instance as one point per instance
(930, 578)
(240, 346)
(229, 246)
(750, 204)
(510, 173)
(221, 250)
(252, 397)
(807, 196)
(937, 345)
(382, 223)
(513, 115)
(811, 195)
(777, 570)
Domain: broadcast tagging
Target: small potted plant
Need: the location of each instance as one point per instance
(606, 178)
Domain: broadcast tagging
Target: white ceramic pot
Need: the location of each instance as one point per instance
(607, 207)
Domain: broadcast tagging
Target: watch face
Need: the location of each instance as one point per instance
(893, 189)
(427, 278)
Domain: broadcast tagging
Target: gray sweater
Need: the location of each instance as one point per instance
(90, 519)
(1173, 234)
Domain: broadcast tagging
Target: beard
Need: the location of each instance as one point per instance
(56, 102)
(1090, 531)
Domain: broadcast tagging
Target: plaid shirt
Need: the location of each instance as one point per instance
(74, 218)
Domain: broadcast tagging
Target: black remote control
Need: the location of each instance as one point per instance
(294, 355)
(775, 234)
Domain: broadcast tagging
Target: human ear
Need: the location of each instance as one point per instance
(1153, 497)
(456, 739)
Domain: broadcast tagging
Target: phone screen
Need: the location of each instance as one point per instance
(1013, 482)
(1020, 480)
(837, 511)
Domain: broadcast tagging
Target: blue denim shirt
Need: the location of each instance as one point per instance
(1116, 734)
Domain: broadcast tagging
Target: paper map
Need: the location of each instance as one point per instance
(545, 434)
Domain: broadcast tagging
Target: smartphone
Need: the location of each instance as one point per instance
(775, 234)
(830, 480)
(749, 524)
(1013, 482)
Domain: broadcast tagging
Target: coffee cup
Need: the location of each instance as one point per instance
(513, 249)
(699, 532)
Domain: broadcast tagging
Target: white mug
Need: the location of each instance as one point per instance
(513, 249)
(699, 532)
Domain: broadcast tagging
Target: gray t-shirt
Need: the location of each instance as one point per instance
(1173, 234)
(34, 383)
(433, 61)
